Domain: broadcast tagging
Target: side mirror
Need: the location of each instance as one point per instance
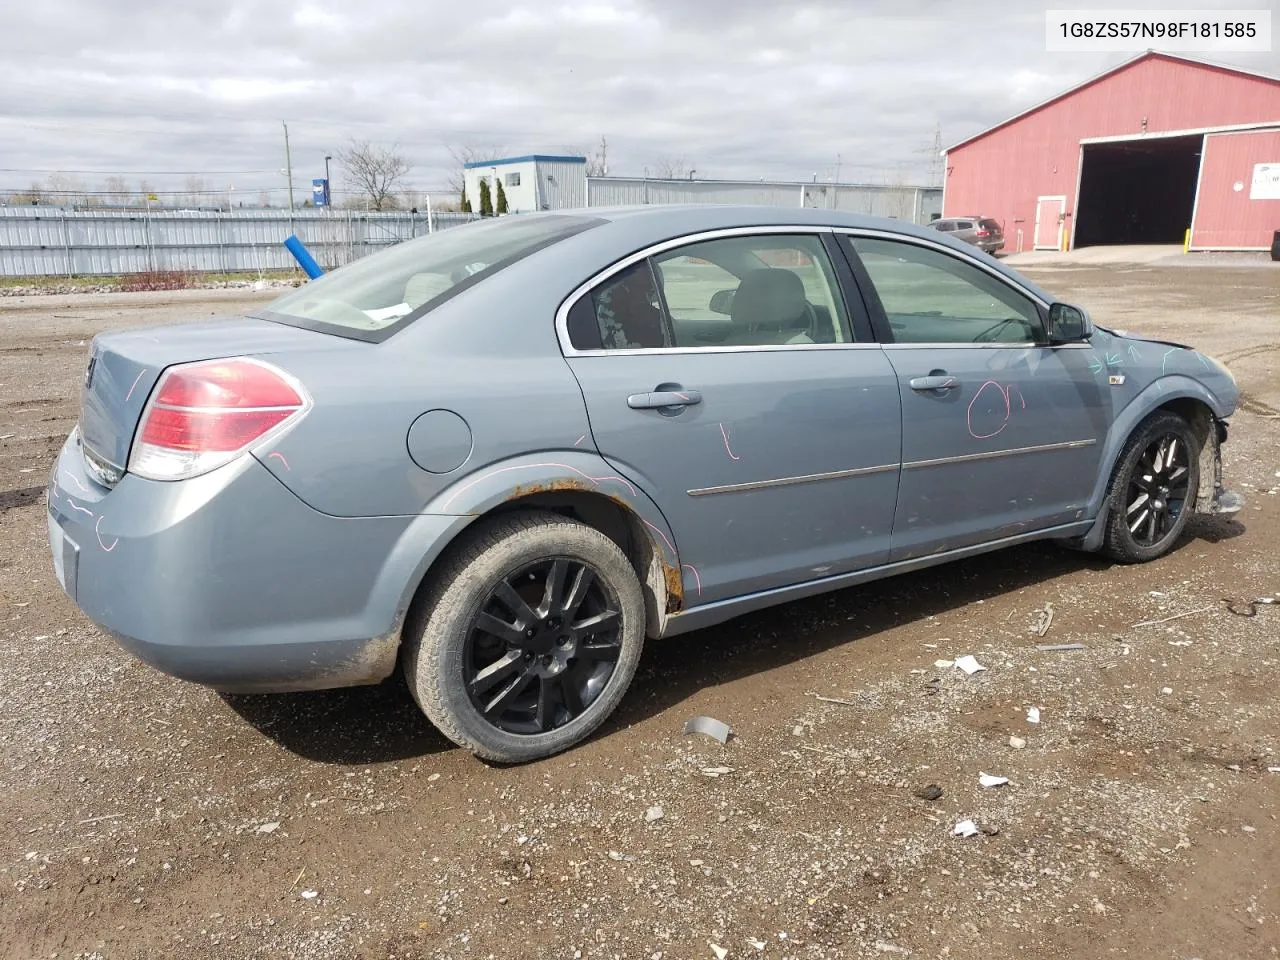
(722, 302)
(1068, 324)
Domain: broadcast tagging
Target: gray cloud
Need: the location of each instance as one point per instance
(740, 88)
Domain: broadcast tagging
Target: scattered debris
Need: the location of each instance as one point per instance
(1053, 647)
(881, 947)
(271, 827)
(1241, 607)
(1045, 621)
(931, 792)
(1166, 690)
(968, 664)
(298, 879)
(758, 944)
(1273, 769)
(965, 828)
(943, 664)
(987, 780)
(1189, 613)
(844, 703)
(433, 778)
(1033, 714)
(709, 727)
(310, 894)
(109, 816)
(653, 814)
(716, 771)
(797, 731)
(719, 951)
(621, 857)
(1017, 742)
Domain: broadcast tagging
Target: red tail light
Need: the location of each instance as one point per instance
(982, 233)
(206, 414)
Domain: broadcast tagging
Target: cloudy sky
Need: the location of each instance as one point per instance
(165, 89)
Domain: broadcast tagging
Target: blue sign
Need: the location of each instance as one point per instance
(320, 192)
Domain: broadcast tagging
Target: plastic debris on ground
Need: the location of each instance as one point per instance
(719, 951)
(987, 780)
(1045, 620)
(708, 727)
(1033, 714)
(968, 664)
(965, 828)
(309, 894)
(1052, 647)
(714, 772)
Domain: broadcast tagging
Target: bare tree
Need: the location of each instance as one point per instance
(195, 191)
(469, 153)
(672, 168)
(597, 160)
(116, 191)
(375, 171)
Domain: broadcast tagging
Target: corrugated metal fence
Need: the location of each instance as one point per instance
(63, 241)
(53, 241)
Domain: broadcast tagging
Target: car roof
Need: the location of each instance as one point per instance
(678, 218)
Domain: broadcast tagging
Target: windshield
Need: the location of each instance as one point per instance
(373, 297)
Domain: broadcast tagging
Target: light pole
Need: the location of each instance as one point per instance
(328, 189)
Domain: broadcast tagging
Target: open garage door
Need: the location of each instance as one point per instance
(1137, 191)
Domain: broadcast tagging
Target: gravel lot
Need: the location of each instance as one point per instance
(148, 818)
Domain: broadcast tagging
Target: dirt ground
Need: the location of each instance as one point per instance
(143, 817)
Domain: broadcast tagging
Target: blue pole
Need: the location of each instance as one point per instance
(305, 260)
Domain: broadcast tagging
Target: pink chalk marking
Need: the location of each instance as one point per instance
(726, 443)
(135, 384)
(279, 456)
(579, 440)
(658, 531)
(595, 481)
(696, 578)
(682, 396)
(76, 506)
(114, 543)
(1008, 407)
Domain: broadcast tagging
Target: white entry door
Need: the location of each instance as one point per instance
(1049, 222)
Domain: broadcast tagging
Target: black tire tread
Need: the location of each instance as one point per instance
(1117, 543)
(444, 594)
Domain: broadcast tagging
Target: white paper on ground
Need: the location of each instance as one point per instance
(987, 780)
(1033, 715)
(965, 828)
(968, 664)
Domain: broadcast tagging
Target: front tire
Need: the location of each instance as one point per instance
(528, 637)
(1153, 489)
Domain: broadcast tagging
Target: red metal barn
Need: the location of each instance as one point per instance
(1138, 154)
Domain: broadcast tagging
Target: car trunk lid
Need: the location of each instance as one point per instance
(123, 368)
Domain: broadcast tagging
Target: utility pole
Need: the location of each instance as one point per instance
(604, 157)
(288, 164)
(835, 184)
(935, 157)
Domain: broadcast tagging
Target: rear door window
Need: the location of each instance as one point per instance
(770, 290)
(991, 225)
(964, 224)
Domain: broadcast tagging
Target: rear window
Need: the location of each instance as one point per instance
(374, 297)
(990, 225)
(964, 224)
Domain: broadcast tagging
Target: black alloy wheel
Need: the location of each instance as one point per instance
(543, 646)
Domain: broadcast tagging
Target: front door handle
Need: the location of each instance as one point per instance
(663, 398)
(934, 381)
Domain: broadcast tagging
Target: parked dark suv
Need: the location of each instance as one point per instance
(983, 232)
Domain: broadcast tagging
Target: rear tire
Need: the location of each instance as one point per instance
(527, 638)
(1153, 489)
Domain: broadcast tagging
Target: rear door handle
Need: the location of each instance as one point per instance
(663, 398)
(934, 382)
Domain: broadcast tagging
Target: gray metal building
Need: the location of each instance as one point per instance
(914, 203)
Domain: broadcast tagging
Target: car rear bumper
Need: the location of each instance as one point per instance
(231, 581)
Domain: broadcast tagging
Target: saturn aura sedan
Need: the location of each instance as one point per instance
(501, 457)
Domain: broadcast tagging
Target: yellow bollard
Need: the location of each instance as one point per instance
(1186, 241)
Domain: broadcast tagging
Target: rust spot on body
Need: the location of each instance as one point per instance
(675, 587)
